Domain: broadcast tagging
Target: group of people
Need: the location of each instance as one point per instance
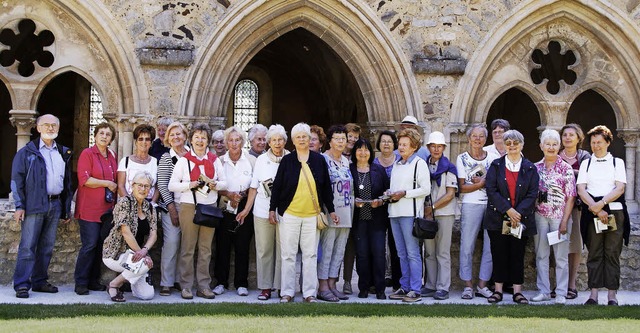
(280, 198)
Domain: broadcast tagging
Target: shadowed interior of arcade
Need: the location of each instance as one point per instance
(298, 78)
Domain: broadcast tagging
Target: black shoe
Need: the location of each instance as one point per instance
(381, 295)
(97, 286)
(81, 289)
(22, 292)
(46, 288)
(363, 294)
(126, 287)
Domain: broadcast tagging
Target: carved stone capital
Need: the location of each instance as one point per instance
(629, 136)
(23, 120)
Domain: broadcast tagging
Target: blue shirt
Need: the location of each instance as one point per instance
(55, 168)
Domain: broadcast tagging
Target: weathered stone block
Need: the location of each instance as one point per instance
(439, 66)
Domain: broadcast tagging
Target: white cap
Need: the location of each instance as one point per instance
(436, 138)
(410, 120)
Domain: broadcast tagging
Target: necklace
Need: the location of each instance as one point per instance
(361, 177)
(570, 157)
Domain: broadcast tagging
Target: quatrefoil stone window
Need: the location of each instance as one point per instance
(553, 66)
(26, 47)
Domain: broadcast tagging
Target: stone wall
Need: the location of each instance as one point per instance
(68, 242)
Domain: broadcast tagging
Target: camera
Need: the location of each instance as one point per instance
(543, 197)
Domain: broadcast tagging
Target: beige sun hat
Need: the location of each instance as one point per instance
(410, 120)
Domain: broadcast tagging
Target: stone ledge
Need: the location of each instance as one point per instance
(162, 51)
(438, 66)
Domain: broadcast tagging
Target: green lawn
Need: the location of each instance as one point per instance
(230, 317)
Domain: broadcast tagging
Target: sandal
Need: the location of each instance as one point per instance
(265, 295)
(327, 296)
(519, 298)
(467, 293)
(119, 295)
(495, 297)
(572, 293)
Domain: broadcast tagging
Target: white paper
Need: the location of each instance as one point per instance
(554, 239)
(128, 264)
(599, 226)
(615, 206)
(517, 231)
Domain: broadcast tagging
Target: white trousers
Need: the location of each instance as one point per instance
(170, 251)
(139, 286)
(298, 231)
(543, 250)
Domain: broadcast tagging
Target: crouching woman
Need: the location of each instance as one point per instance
(133, 221)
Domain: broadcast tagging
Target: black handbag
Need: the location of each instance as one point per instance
(423, 228)
(207, 215)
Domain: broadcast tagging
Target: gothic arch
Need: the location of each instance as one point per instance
(348, 27)
(606, 24)
(480, 116)
(105, 51)
(52, 75)
(12, 96)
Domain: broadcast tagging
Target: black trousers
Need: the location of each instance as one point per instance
(507, 253)
(603, 261)
(370, 254)
(229, 236)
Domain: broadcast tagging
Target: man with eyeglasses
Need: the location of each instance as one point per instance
(41, 187)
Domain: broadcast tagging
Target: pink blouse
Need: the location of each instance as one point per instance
(90, 203)
(560, 184)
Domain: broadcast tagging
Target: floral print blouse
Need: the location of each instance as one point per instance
(560, 184)
(126, 213)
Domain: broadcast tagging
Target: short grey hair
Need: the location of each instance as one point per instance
(276, 129)
(218, 135)
(164, 121)
(235, 129)
(550, 134)
(143, 174)
(301, 128)
(513, 135)
(500, 123)
(477, 125)
(256, 129)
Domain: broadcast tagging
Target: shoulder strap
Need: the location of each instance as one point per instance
(192, 191)
(415, 180)
(126, 162)
(313, 197)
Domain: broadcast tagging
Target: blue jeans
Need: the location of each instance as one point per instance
(36, 247)
(90, 255)
(409, 253)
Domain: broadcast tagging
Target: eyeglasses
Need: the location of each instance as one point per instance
(478, 137)
(339, 139)
(48, 125)
(144, 139)
(142, 186)
(509, 143)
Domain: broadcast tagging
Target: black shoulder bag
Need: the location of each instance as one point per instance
(423, 228)
(206, 215)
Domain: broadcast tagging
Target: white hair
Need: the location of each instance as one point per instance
(276, 129)
(218, 135)
(550, 134)
(257, 128)
(164, 121)
(301, 128)
(143, 174)
(238, 130)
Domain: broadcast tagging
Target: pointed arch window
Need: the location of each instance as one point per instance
(95, 113)
(245, 104)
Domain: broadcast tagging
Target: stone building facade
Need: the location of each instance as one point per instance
(450, 63)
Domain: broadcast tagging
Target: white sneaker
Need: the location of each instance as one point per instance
(541, 298)
(242, 291)
(561, 299)
(483, 292)
(219, 290)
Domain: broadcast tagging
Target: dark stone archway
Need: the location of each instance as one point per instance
(309, 82)
(590, 109)
(519, 109)
(8, 141)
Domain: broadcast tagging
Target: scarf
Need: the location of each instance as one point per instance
(276, 159)
(209, 170)
(443, 166)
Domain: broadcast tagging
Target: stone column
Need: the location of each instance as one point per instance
(24, 121)
(630, 137)
(457, 139)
